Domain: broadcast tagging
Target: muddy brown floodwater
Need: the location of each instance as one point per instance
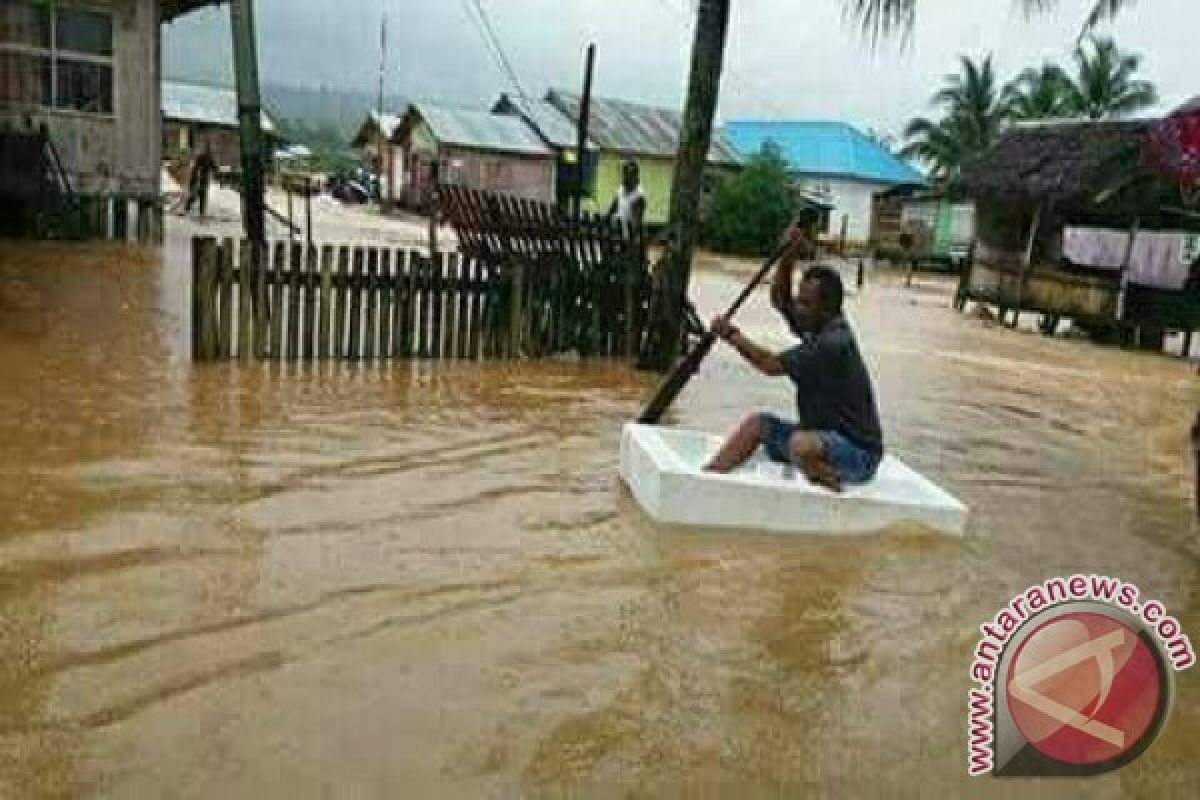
(411, 580)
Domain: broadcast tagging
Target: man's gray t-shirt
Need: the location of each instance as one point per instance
(833, 389)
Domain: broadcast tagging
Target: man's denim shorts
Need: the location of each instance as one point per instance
(854, 464)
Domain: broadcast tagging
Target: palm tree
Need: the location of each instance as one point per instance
(1105, 85)
(1041, 93)
(973, 111)
(882, 18)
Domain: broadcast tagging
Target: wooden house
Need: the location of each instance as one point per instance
(196, 116)
(561, 136)
(1051, 198)
(918, 225)
(79, 101)
(374, 137)
(473, 149)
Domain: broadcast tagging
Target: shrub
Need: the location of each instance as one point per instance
(751, 208)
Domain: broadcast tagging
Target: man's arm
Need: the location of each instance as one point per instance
(639, 211)
(781, 284)
(782, 301)
(761, 358)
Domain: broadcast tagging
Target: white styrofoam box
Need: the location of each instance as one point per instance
(663, 468)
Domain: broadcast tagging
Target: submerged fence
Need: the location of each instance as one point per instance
(364, 302)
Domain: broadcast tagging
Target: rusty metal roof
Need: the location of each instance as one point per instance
(634, 129)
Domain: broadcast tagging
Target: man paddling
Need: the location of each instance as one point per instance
(837, 439)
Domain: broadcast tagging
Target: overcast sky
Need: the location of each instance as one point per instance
(785, 58)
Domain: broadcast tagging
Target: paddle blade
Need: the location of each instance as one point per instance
(676, 379)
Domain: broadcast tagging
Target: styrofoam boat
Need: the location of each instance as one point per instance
(663, 468)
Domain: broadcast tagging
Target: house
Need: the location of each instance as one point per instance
(374, 137)
(624, 131)
(95, 126)
(195, 116)
(476, 149)
(561, 136)
(939, 225)
(830, 158)
(1074, 222)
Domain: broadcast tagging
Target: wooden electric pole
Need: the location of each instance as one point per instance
(245, 63)
(708, 52)
(585, 113)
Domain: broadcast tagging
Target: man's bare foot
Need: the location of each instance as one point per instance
(822, 473)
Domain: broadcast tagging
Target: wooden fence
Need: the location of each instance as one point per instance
(583, 282)
(363, 302)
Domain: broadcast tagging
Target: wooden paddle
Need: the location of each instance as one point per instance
(686, 367)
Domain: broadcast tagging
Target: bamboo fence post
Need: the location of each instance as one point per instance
(204, 297)
(355, 288)
(244, 283)
(275, 312)
(369, 327)
(326, 298)
(225, 301)
(296, 260)
(342, 297)
(386, 286)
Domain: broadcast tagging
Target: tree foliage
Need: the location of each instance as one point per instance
(975, 109)
(973, 114)
(1104, 83)
(750, 208)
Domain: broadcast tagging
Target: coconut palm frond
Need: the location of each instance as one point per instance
(1103, 11)
(881, 19)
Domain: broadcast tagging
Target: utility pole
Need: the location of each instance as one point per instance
(708, 52)
(585, 113)
(245, 63)
(385, 147)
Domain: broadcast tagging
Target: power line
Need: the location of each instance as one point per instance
(489, 35)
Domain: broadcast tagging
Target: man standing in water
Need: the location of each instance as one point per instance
(629, 205)
(202, 172)
(837, 439)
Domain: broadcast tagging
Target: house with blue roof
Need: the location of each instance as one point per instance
(833, 160)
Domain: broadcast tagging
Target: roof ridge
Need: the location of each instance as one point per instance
(616, 100)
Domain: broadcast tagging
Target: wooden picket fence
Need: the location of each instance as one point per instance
(583, 282)
(364, 302)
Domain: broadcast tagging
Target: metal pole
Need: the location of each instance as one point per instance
(585, 112)
(245, 62)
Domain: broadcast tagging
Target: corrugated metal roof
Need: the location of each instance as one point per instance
(554, 127)
(834, 149)
(207, 104)
(482, 130)
(635, 129)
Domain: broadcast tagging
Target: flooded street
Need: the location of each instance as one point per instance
(425, 580)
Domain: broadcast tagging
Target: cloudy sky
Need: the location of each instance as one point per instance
(793, 58)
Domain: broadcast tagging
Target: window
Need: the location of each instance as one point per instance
(56, 56)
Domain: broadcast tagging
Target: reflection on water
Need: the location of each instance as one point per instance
(424, 580)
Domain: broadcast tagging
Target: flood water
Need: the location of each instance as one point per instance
(425, 580)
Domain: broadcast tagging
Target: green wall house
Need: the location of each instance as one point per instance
(624, 131)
